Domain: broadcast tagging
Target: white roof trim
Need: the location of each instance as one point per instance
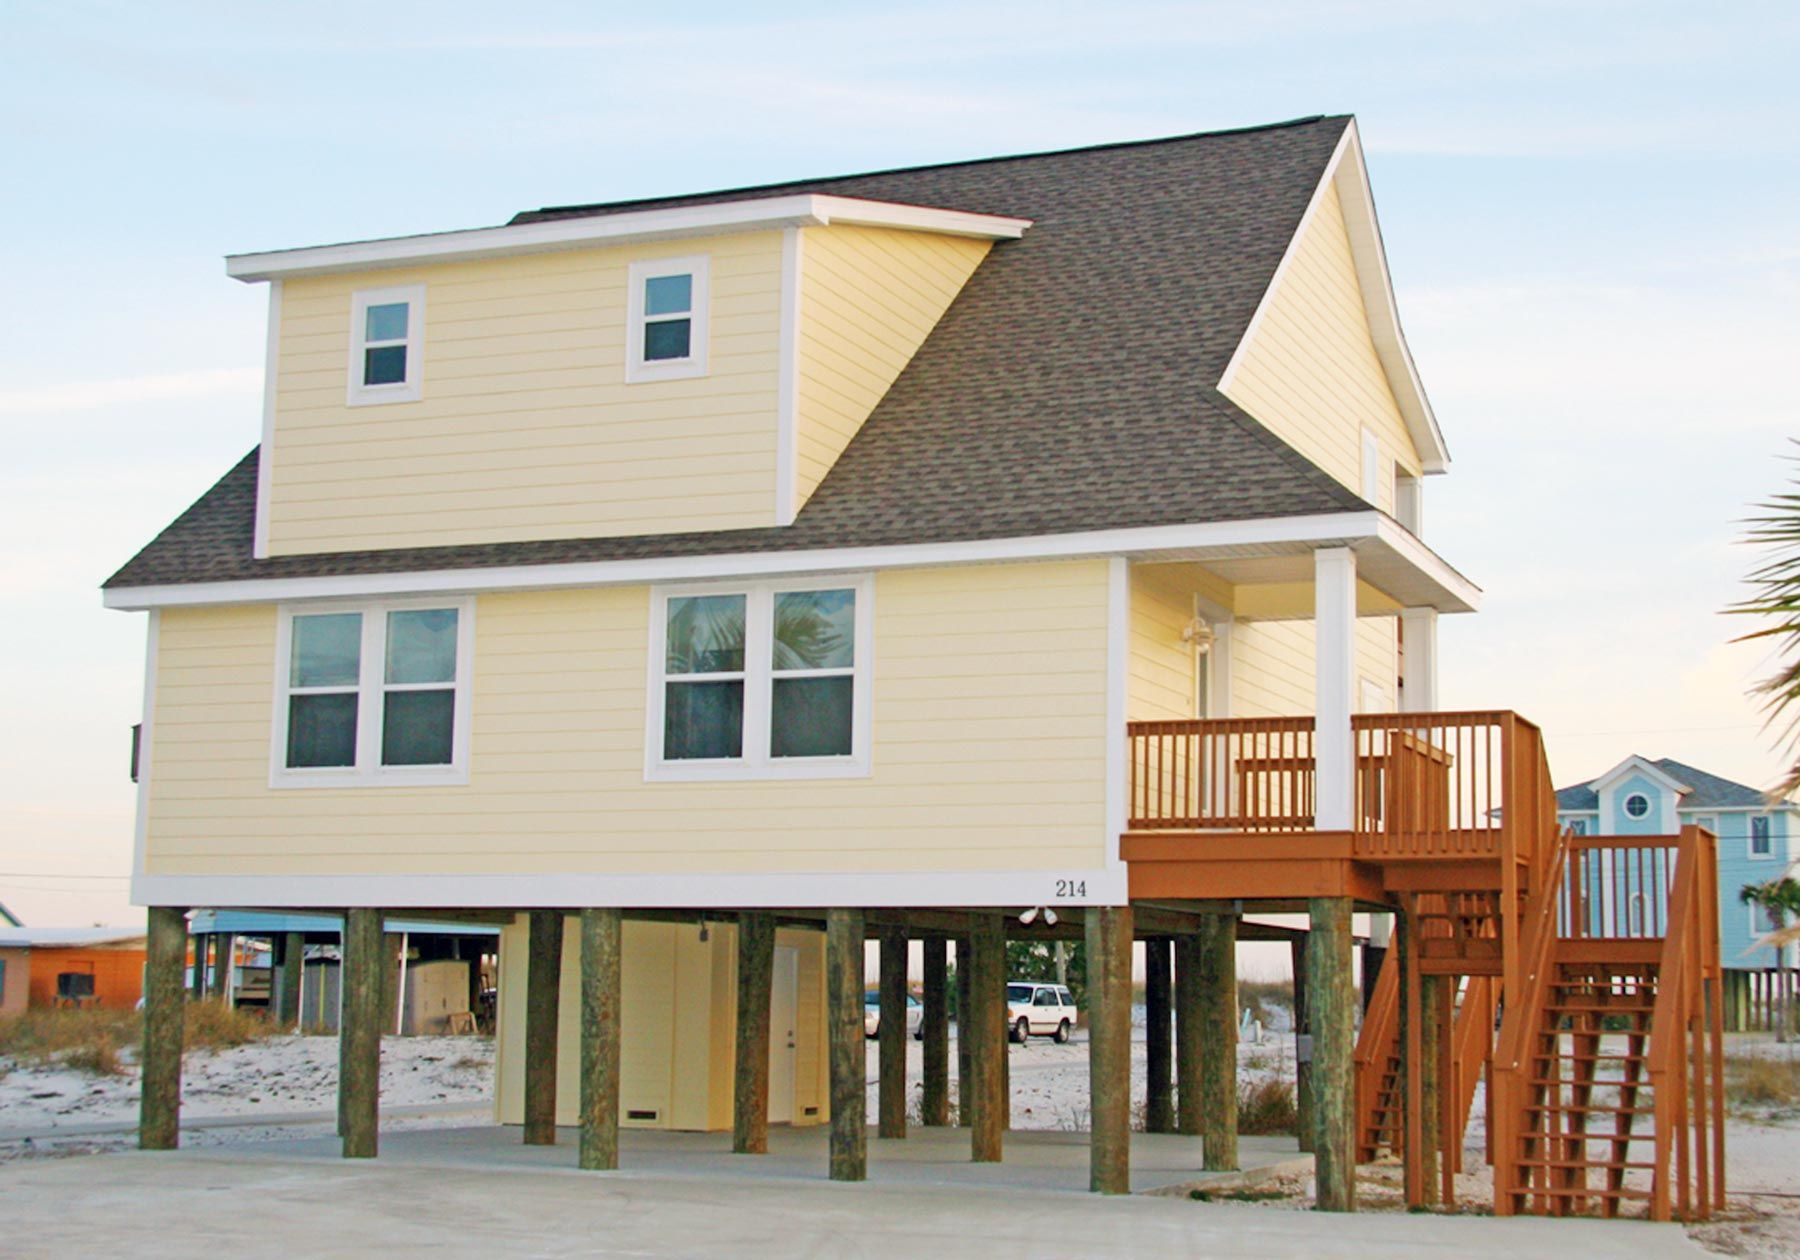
(799, 210)
(1221, 540)
(1640, 765)
(1350, 175)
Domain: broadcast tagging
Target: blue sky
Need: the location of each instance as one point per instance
(1592, 212)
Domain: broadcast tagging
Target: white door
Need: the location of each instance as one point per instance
(783, 1034)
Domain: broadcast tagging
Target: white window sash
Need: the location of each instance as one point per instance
(371, 690)
(758, 677)
(412, 388)
(639, 369)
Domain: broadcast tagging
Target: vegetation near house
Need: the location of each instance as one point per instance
(104, 1042)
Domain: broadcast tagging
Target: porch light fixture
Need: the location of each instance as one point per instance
(1031, 916)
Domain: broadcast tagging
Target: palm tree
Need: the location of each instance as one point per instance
(1781, 898)
(1777, 585)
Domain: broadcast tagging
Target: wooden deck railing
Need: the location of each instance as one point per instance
(1427, 785)
(1617, 888)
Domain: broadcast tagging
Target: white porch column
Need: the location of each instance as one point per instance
(1334, 624)
(1419, 681)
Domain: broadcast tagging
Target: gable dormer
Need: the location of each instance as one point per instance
(690, 369)
(1324, 364)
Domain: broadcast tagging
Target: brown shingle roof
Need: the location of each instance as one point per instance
(1069, 387)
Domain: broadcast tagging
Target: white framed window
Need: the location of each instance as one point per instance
(372, 694)
(1762, 844)
(765, 680)
(1637, 805)
(1409, 502)
(666, 320)
(387, 345)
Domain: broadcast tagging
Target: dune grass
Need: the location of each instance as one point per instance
(104, 1042)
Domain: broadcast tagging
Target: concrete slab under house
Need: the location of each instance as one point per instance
(696, 590)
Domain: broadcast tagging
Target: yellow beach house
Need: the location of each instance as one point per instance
(699, 586)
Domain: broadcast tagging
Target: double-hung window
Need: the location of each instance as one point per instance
(1761, 845)
(387, 342)
(765, 680)
(666, 319)
(372, 694)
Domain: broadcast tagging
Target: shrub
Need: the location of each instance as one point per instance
(1267, 1107)
(76, 1038)
(1758, 1082)
(213, 1025)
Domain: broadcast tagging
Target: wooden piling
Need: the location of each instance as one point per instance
(165, 1017)
(1331, 998)
(934, 1030)
(1109, 1048)
(755, 989)
(224, 946)
(287, 990)
(1189, 1051)
(543, 988)
(965, 1073)
(986, 1031)
(362, 980)
(1303, 1094)
(1415, 1127)
(1431, 995)
(1159, 1045)
(891, 1034)
(601, 935)
(844, 1014)
(1216, 979)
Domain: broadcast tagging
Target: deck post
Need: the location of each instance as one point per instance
(934, 1030)
(165, 1018)
(965, 1070)
(601, 939)
(1334, 624)
(1331, 999)
(293, 964)
(1218, 1010)
(543, 992)
(364, 969)
(1190, 1052)
(987, 1036)
(224, 947)
(1303, 1094)
(1159, 1047)
(755, 996)
(1109, 1048)
(844, 1015)
(197, 979)
(1419, 683)
(891, 1034)
(1431, 1154)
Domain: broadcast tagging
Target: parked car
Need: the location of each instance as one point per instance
(1041, 1010)
(915, 1015)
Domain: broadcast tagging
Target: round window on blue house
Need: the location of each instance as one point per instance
(1637, 805)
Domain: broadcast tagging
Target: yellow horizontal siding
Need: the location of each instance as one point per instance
(1310, 372)
(989, 748)
(868, 299)
(527, 429)
(1273, 664)
(1162, 664)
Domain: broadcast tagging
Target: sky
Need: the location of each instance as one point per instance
(1592, 212)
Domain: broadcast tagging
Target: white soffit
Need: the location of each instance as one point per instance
(581, 232)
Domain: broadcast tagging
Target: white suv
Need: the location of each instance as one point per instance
(1044, 1010)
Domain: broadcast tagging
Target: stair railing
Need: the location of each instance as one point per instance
(1380, 1027)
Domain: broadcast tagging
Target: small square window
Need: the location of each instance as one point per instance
(386, 342)
(666, 320)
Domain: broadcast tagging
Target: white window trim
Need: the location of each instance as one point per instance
(756, 763)
(1750, 839)
(371, 688)
(413, 387)
(639, 370)
(1625, 805)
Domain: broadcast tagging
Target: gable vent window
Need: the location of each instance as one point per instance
(1637, 805)
(666, 325)
(386, 345)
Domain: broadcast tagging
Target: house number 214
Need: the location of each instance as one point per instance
(1071, 888)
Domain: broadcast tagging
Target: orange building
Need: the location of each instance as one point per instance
(97, 966)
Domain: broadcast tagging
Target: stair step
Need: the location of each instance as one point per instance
(1585, 1163)
(1574, 1192)
(1591, 1107)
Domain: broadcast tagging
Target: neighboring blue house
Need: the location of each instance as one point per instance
(1758, 841)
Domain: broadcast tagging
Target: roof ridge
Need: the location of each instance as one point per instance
(574, 209)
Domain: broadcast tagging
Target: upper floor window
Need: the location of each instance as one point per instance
(1637, 805)
(1761, 845)
(665, 333)
(372, 693)
(766, 680)
(387, 337)
(1578, 826)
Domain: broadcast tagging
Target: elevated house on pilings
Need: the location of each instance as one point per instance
(699, 587)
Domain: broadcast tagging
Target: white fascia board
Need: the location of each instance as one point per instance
(1347, 171)
(1221, 538)
(1641, 765)
(801, 210)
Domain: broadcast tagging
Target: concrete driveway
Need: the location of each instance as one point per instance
(250, 1207)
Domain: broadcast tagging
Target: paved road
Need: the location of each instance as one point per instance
(177, 1206)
